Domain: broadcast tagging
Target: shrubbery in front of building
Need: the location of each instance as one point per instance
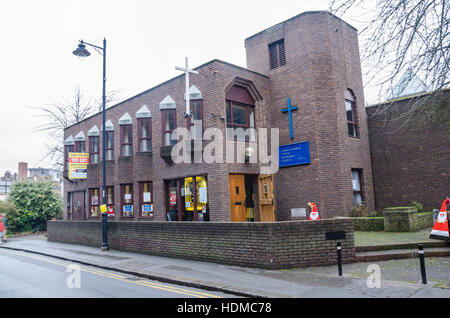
(360, 211)
(9, 209)
(418, 206)
(31, 205)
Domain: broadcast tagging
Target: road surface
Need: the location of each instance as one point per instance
(30, 275)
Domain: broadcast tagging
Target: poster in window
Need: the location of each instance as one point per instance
(95, 200)
(128, 208)
(110, 210)
(147, 208)
(128, 196)
(147, 197)
(173, 198)
(203, 196)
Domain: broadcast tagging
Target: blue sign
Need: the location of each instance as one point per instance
(294, 154)
(147, 208)
(127, 208)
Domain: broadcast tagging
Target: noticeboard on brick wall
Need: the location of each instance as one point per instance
(294, 154)
(78, 162)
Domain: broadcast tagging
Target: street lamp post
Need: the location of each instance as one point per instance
(82, 52)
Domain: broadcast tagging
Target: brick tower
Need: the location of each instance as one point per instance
(313, 59)
(23, 170)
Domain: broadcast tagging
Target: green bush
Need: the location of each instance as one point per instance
(9, 209)
(35, 203)
(418, 206)
(360, 211)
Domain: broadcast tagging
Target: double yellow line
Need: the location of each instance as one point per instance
(146, 283)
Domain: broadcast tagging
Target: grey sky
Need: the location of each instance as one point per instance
(146, 40)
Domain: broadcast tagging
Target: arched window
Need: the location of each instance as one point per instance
(352, 118)
(168, 120)
(109, 136)
(94, 144)
(240, 112)
(126, 135)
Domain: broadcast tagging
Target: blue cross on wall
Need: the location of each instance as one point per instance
(289, 110)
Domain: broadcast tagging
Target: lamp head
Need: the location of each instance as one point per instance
(81, 50)
(249, 151)
(248, 154)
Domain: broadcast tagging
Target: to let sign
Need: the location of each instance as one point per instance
(294, 154)
(78, 162)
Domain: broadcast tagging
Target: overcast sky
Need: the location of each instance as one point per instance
(145, 41)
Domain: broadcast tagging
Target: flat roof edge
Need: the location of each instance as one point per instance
(298, 15)
(163, 83)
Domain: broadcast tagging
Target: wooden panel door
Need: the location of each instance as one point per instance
(78, 205)
(266, 198)
(237, 197)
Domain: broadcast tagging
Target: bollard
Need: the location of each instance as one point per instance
(422, 264)
(339, 256)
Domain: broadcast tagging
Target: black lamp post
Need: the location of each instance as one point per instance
(82, 52)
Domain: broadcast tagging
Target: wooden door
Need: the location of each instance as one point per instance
(266, 198)
(78, 205)
(237, 197)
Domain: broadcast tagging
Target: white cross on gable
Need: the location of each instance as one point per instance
(186, 70)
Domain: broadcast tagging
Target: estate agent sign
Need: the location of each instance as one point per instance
(78, 162)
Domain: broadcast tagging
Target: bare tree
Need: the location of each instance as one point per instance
(58, 115)
(400, 37)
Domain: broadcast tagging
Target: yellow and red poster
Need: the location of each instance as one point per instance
(78, 162)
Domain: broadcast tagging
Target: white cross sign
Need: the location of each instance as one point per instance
(187, 71)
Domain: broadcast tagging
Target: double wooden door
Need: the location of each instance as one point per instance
(266, 200)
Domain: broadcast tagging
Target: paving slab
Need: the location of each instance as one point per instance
(251, 282)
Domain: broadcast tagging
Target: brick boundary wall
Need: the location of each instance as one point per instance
(422, 221)
(277, 245)
(368, 223)
(400, 219)
(425, 220)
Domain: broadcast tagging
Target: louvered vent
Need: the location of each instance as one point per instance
(277, 54)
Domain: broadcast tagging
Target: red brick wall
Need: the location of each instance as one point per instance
(23, 171)
(263, 245)
(213, 80)
(411, 163)
(322, 61)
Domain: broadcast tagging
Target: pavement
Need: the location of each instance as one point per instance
(316, 282)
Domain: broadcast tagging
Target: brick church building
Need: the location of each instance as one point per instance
(310, 63)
